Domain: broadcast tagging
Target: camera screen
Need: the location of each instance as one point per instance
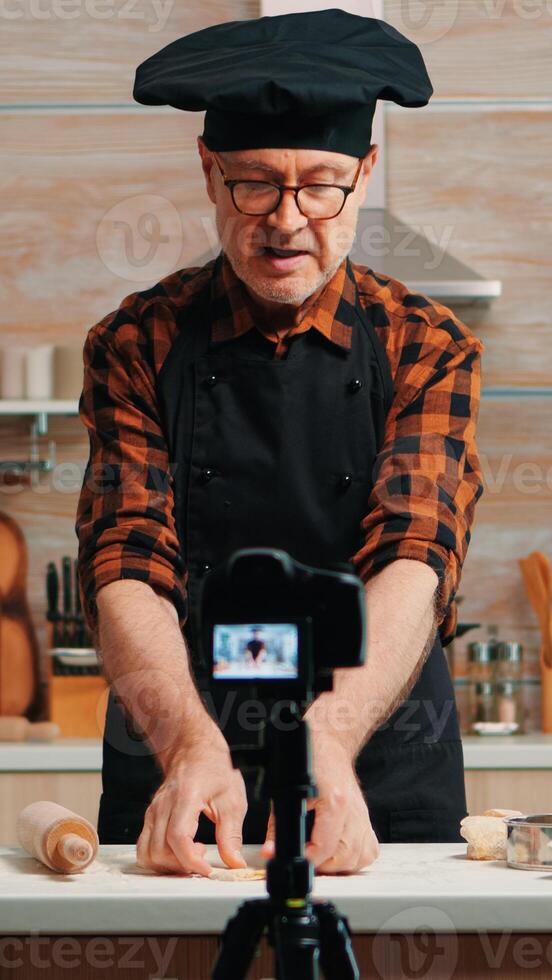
(243, 651)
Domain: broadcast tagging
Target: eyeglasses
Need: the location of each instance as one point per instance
(256, 197)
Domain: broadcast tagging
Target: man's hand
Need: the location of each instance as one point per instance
(342, 839)
(200, 779)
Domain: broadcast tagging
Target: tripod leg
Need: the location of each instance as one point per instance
(337, 957)
(240, 940)
(296, 941)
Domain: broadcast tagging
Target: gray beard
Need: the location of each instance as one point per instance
(277, 290)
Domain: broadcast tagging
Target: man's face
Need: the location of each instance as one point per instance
(245, 238)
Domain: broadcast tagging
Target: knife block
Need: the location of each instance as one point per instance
(76, 698)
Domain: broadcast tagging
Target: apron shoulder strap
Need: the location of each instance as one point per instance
(378, 349)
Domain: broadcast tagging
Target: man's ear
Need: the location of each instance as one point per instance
(368, 165)
(207, 164)
(370, 159)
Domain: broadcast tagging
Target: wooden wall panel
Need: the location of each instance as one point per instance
(87, 51)
(67, 183)
(481, 181)
(481, 48)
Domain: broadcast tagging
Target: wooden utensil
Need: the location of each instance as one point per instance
(536, 575)
(20, 689)
(546, 573)
(20, 729)
(57, 837)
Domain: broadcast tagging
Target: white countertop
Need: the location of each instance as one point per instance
(507, 751)
(410, 886)
(62, 755)
(85, 754)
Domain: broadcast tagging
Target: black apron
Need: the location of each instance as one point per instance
(281, 453)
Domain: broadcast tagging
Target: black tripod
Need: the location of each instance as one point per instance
(305, 935)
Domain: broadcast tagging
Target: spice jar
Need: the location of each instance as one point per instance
(509, 703)
(482, 699)
(508, 661)
(530, 697)
(482, 659)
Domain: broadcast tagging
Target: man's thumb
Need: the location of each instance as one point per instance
(269, 844)
(229, 842)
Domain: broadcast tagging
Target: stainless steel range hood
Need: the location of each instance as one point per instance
(399, 252)
(390, 247)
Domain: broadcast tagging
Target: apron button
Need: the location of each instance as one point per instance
(354, 385)
(211, 380)
(345, 480)
(206, 475)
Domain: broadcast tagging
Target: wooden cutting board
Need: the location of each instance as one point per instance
(20, 689)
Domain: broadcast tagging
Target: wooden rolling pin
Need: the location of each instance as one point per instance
(15, 728)
(59, 838)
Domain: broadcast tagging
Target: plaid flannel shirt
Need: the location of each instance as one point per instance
(428, 476)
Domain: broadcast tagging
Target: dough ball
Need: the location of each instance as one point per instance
(486, 837)
(237, 874)
(502, 813)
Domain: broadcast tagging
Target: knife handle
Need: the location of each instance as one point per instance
(52, 590)
(52, 595)
(67, 599)
(79, 619)
(66, 574)
(77, 592)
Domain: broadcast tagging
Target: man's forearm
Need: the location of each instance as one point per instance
(400, 610)
(144, 658)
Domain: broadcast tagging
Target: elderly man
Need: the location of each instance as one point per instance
(279, 396)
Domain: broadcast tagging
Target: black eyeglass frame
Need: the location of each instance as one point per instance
(231, 183)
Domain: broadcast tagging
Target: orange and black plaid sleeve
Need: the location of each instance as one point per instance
(427, 476)
(125, 524)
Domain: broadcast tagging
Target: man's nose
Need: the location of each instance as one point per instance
(287, 216)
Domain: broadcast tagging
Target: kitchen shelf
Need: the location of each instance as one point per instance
(41, 408)
(529, 391)
(38, 406)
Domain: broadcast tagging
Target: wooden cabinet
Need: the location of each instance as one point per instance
(79, 791)
(528, 790)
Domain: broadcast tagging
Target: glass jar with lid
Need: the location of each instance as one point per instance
(509, 703)
(482, 660)
(509, 661)
(482, 701)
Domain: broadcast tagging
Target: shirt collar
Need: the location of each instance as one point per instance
(332, 313)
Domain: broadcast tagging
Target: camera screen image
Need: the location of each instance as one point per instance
(243, 651)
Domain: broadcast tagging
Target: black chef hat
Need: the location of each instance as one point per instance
(308, 80)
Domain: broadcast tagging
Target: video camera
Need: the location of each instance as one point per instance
(278, 625)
